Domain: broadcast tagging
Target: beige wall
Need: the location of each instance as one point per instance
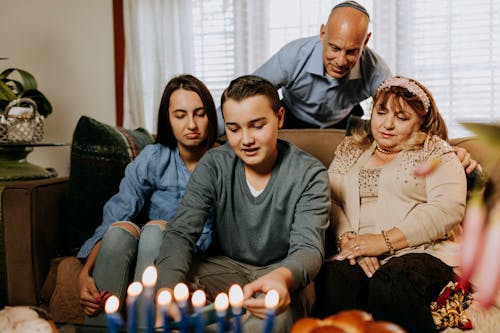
(68, 46)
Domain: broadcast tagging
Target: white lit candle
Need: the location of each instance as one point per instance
(114, 319)
(133, 291)
(198, 301)
(164, 300)
(236, 301)
(149, 281)
(181, 295)
(221, 304)
(271, 301)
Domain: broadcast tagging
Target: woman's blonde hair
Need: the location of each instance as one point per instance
(403, 93)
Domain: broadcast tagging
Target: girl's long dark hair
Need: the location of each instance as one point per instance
(164, 133)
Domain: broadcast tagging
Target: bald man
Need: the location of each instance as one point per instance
(323, 78)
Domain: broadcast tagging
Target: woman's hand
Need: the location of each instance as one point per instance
(344, 238)
(280, 280)
(365, 245)
(369, 265)
(91, 299)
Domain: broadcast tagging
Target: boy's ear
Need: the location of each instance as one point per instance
(281, 117)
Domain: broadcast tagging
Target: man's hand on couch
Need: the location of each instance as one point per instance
(467, 162)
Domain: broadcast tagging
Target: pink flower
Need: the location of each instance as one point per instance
(473, 235)
(427, 167)
(487, 269)
(483, 245)
(460, 286)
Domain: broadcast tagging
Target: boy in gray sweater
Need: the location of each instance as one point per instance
(270, 202)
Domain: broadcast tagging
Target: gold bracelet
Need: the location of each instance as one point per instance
(388, 243)
(342, 236)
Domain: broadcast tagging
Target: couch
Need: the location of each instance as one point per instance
(35, 225)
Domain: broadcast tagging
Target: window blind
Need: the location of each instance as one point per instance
(214, 45)
(453, 47)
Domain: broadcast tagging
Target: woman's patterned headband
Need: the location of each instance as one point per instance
(409, 85)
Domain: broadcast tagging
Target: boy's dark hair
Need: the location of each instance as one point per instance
(251, 85)
(164, 133)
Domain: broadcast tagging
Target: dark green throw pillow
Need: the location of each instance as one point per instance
(99, 155)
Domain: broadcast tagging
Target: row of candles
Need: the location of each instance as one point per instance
(181, 296)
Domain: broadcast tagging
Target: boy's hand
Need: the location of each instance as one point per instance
(254, 292)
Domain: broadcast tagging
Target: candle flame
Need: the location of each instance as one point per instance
(112, 304)
(236, 296)
(181, 292)
(198, 299)
(134, 289)
(149, 277)
(221, 302)
(272, 299)
(164, 298)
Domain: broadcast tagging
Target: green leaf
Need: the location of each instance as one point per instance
(6, 73)
(490, 133)
(43, 105)
(11, 89)
(28, 80)
(16, 86)
(5, 92)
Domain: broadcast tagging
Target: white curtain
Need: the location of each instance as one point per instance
(453, 47)
(162, 38)
(251, 34)
(158, 46)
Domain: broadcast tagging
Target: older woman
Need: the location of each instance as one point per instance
(396, 231)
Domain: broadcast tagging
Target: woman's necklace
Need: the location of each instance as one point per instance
(385, 151)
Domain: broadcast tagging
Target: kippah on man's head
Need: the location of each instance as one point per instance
(352, 4)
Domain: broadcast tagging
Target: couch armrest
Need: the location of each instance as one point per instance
(32, 215)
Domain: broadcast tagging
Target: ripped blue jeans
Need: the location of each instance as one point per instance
(122, 254)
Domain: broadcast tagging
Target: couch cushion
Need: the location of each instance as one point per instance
(321, 143)
(99, 155)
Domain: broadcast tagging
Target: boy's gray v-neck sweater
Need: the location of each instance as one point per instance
(284, 224)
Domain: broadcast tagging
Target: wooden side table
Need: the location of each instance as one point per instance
(15, 167)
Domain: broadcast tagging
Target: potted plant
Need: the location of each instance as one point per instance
(22, 108)
(26, 87)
